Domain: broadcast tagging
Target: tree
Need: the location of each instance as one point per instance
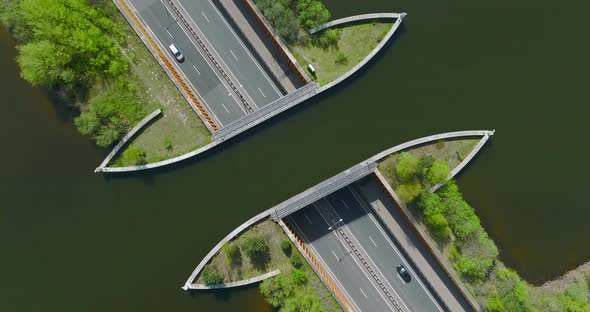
(211, 276)
(407, 166)
(298, 277)
(437, 172)
(257, 250)
(277, 289)
(134, 155)
(232, 253)
(495, 304)
(296, 260)
(286, 247)
(70, 41)
(312, 13)
(302, 301)
(439, 226)
(408, 191)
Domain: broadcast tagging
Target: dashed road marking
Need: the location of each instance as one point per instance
(169, 34)
(306, 217)
(344, 203)
(363, 293)
(227, 110)
(198, 72)
(372, 241)
(232, 53)
(261, 92)
(205, 16)
(335, 255)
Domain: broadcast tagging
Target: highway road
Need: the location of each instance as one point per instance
(232, 51)
(204, 78)
(372, 242)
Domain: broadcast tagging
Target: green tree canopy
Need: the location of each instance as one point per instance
(134, 155)
(70, 41)
(437, 172)
(257, 250)
(312, 13)
(408, 191)
(407, 166)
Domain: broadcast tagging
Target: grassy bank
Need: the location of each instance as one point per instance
(457, 230)
(354, 42)
(262, 248)
(90, 58)
(179, 130)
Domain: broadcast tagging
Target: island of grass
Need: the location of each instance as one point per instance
(333, 51)
(263, 248)
(98, 66)
(459, 236)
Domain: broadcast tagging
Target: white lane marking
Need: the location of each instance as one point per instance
(306, 217)
(227, 110)
(214, 70)
(362, 267)
(372, 240)
(169, 34)
(198, 72)
(363, 293)
(205, 16)
(247, 51)
(335, 255)
(261, 92)
(232, 53)
(394, 248)
(345, 205)
(324, 264)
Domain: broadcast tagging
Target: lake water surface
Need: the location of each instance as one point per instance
(73, 240)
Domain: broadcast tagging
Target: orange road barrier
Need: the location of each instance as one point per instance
(321, 271)
(168, 65)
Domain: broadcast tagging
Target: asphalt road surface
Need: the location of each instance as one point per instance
(234, 54)
(375, 245)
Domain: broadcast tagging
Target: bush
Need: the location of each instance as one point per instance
(408, 191)
(438, 172)
(495, 304)
(296, 260)
(168, 144)
(341, 57)
(327, 38)
(277, 289)
(439, 226)
(298, 277)
(232, 253)
(257, 250)
(134, 155)
(211, 276)
(286, 247)
(407, 166)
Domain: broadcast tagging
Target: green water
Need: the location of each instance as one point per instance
(77, 241)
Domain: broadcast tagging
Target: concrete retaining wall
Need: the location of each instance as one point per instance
(398, 22)
(230, 236)
(355, 18)
(235, 284)
(126, 138)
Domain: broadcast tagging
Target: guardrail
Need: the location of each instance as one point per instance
(150, 43)
(266, 112)
(316, 267)
(211, 57)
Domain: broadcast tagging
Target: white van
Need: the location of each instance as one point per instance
(176, 53)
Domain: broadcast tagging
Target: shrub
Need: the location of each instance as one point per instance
(439, 226)
(408, 191)
(296, 260)
(286, 247)
(298, 277)
(495, 304)
(437, 172)
(277, 289)
(578, 291)
(257, 250)
(232, 253)
(341, 57)
(134, 155)
(407, 166)
(168, 144)
(211, 276)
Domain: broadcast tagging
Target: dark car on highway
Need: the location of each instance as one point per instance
(403, 273)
